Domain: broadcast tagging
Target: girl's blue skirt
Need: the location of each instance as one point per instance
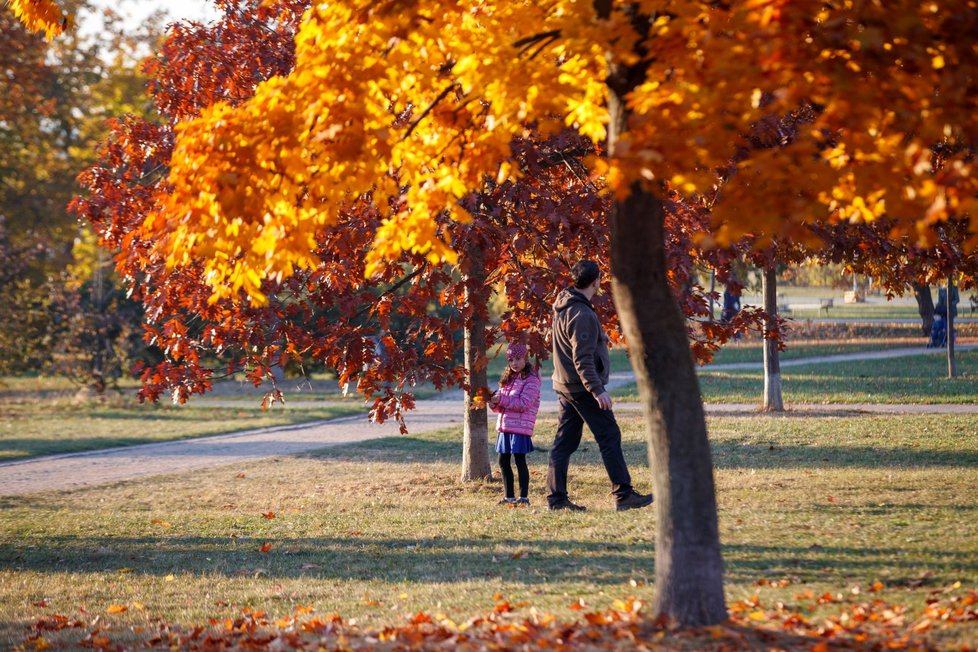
(511, 443)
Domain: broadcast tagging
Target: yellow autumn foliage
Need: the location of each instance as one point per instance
(416, 102)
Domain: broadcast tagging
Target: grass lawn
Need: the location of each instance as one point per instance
(812, 291)
(29, 429)
(910, 379)
(736, 352)
(379, 531)
(859, 311)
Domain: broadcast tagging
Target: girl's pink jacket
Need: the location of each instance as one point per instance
(519, 402)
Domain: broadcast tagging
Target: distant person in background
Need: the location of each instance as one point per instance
(731, 304)
(938, 331)
(941, 307)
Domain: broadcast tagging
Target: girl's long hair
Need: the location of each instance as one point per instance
(524, 372)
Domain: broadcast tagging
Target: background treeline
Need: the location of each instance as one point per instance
(63, 310)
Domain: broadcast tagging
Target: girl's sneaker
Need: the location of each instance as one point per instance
(522, 502)
(507, 501)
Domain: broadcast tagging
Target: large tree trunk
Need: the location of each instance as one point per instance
(688, 563)
(925, 307)
(772, 359)
(475, 429)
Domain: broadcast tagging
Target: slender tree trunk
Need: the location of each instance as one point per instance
(925, 307)
(98, 378)
(952, 370)
(475, 429)
(688, 562)
(713, 287)
(772, 359)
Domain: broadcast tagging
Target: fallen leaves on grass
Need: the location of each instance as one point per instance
(752, 624)
(56, 622)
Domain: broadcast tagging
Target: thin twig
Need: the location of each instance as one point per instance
(424, 114)
(392, 289)
(542, 46)
(527, 41)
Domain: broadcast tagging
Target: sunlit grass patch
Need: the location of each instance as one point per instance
(752, 351)
(45, 427)
(382, 530)
(910, 379)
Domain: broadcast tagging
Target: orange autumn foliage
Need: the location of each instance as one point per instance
(39, 15)
(436, 93)
(848, 624)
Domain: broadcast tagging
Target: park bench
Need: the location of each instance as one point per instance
(823, 304)
(973, 300)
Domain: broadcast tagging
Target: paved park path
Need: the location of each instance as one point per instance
(73, 470)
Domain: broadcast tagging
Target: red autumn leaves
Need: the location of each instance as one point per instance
(812, 622)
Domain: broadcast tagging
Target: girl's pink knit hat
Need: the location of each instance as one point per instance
(516, 350)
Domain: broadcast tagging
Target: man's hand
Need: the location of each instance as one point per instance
(604, 401)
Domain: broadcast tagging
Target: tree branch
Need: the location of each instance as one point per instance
(525, 43)
(392, 289)
(424, 114)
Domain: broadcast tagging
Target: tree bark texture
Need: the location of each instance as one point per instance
(688, 562)
(772, 360)
(475, 429)
(925, 307)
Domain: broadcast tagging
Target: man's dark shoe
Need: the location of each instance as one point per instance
(634, 500)
(568, 505)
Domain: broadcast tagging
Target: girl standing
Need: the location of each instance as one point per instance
(517, 403)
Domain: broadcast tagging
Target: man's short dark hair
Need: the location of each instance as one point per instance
(585, 273)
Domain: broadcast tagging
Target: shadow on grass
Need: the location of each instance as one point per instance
(459, 560)
(739, 455)
(403, 449)
(747, 563)
(35, 395)
(412, 450)
(339, 557)
(726, 454)
(910, 379)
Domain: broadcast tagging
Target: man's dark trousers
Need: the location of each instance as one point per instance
(575, 410)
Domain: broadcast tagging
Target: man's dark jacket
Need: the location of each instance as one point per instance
(580, 347)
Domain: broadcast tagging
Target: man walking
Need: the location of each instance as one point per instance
(581, 371)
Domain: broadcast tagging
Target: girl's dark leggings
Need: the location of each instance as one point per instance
(507, 472)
